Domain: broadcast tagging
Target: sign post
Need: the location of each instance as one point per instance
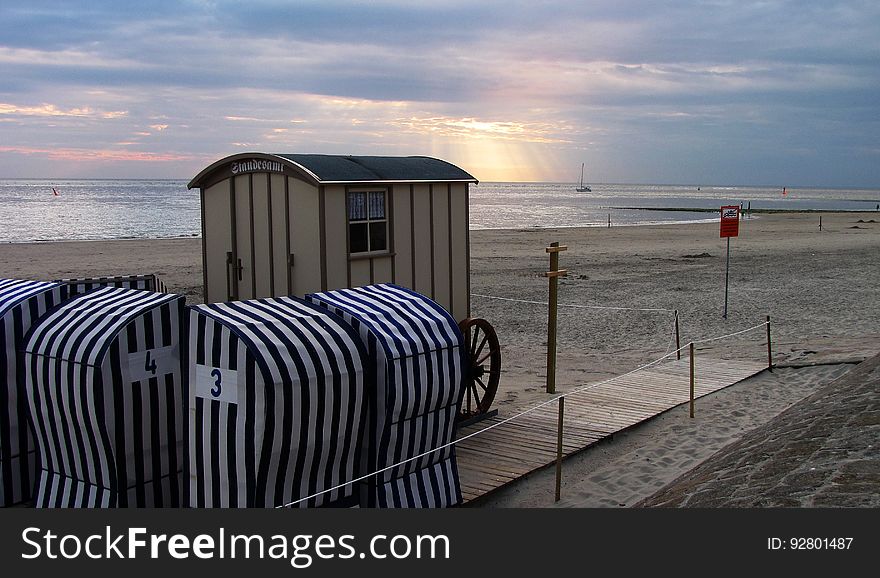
(729, 228)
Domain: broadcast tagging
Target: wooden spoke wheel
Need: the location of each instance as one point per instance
(483, 356)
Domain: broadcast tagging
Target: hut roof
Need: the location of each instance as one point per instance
(347, 169)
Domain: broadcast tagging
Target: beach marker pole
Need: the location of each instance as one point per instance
(677, 338)
(552, 276)
(559, 448)
(692, 378)
(730, 215)
(769, 349)
(726, 277)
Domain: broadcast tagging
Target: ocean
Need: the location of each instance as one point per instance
(117, 209)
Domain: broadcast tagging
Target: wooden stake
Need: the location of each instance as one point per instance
(677, 338)
(692, 378)
(554, 273)
(559, 448)
(769, 347)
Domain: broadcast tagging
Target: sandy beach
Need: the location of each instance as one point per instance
(818, 287)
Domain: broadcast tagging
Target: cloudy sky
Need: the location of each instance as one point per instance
(644, 91)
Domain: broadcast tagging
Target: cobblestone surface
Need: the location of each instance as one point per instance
(823, 451)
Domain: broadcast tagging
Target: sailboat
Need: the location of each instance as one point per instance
(582, 188)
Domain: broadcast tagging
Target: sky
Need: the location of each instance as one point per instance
(719, 92)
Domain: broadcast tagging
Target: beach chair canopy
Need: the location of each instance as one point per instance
(105, 393)
(277, 404)
(415, 349)
(149, 282)
(21, 304)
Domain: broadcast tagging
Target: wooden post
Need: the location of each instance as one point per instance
(769, 348)
(692, 378)
(559, 448)
(677, 338)
(552, 275)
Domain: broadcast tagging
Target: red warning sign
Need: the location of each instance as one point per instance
(730, 221)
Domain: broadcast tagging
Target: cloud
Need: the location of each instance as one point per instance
(472, 128)
(555, 83)
(92, 155)
(51, 110)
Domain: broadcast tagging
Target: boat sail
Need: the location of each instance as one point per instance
(582, 188)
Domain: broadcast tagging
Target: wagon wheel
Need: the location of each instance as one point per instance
(484, 366)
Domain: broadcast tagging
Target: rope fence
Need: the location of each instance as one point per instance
(556, 399)
(675, 337)
(675, 333)
(575, 306)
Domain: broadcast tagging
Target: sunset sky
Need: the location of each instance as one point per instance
(642, 91)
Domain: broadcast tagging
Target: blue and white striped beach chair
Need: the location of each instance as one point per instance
(277, 406)
(415, 348)
(106, 395)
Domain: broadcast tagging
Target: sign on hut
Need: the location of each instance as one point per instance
(276, 405)
(291, 224)
(106, 397)
(21, 304)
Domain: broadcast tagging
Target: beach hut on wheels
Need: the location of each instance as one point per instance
(291, 224)
(276, 405)
(106, 396)
(21, 304)
(418, 375)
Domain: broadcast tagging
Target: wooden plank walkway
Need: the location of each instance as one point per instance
(511, 450)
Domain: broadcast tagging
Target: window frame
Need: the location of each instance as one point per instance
(368, 221)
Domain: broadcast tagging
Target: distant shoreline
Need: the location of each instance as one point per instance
(745, 209)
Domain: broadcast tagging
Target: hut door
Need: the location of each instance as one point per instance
(257, 265)
(218, 231)
(240, 265)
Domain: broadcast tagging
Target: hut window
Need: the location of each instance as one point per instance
(367, 222)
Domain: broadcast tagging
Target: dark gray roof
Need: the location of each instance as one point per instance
(341, 168)
(338, 169)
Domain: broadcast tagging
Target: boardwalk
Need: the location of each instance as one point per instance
(511, 450)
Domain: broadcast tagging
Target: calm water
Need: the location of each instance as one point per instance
(112, 209)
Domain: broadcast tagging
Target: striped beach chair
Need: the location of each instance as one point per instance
(105, 392)
(276, 404)
(149, 282)
(21, 304)
(415, 348)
